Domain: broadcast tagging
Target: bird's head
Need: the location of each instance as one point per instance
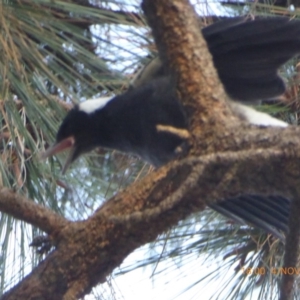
(77, 132)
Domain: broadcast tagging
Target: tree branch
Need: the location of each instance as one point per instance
(88, 251)
(292, 249)
(182, 48)
(227, 158)
(26, 210)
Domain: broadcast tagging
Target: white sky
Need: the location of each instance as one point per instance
(174, 281)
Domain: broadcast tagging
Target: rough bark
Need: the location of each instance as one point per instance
(226, 158)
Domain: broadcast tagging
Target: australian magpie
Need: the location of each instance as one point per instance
(246, 54)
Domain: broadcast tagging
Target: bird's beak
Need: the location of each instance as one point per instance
(65, 144)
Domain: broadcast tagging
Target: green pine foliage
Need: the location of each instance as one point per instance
(57, 53)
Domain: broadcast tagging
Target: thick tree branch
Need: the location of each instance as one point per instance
(181, 46)
(30, 212)
(243, 159)
(292, 249)
(88, 251)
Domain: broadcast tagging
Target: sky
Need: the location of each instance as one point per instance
(170, 279)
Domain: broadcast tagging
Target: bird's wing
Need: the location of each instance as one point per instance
(248, 55)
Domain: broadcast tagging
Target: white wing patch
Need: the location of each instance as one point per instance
(256, 117)
(91, 105)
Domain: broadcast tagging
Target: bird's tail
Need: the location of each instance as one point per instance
(270, 213)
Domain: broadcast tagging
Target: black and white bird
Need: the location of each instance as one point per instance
(247, 55)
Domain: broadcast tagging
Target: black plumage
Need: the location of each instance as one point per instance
(246, 54)
(130, 126)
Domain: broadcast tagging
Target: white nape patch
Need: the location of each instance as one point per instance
(256, 117)
(91, 105)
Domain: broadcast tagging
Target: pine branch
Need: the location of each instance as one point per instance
(26, 210)
(226, 158)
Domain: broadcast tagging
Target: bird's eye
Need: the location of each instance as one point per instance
(64, 131)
